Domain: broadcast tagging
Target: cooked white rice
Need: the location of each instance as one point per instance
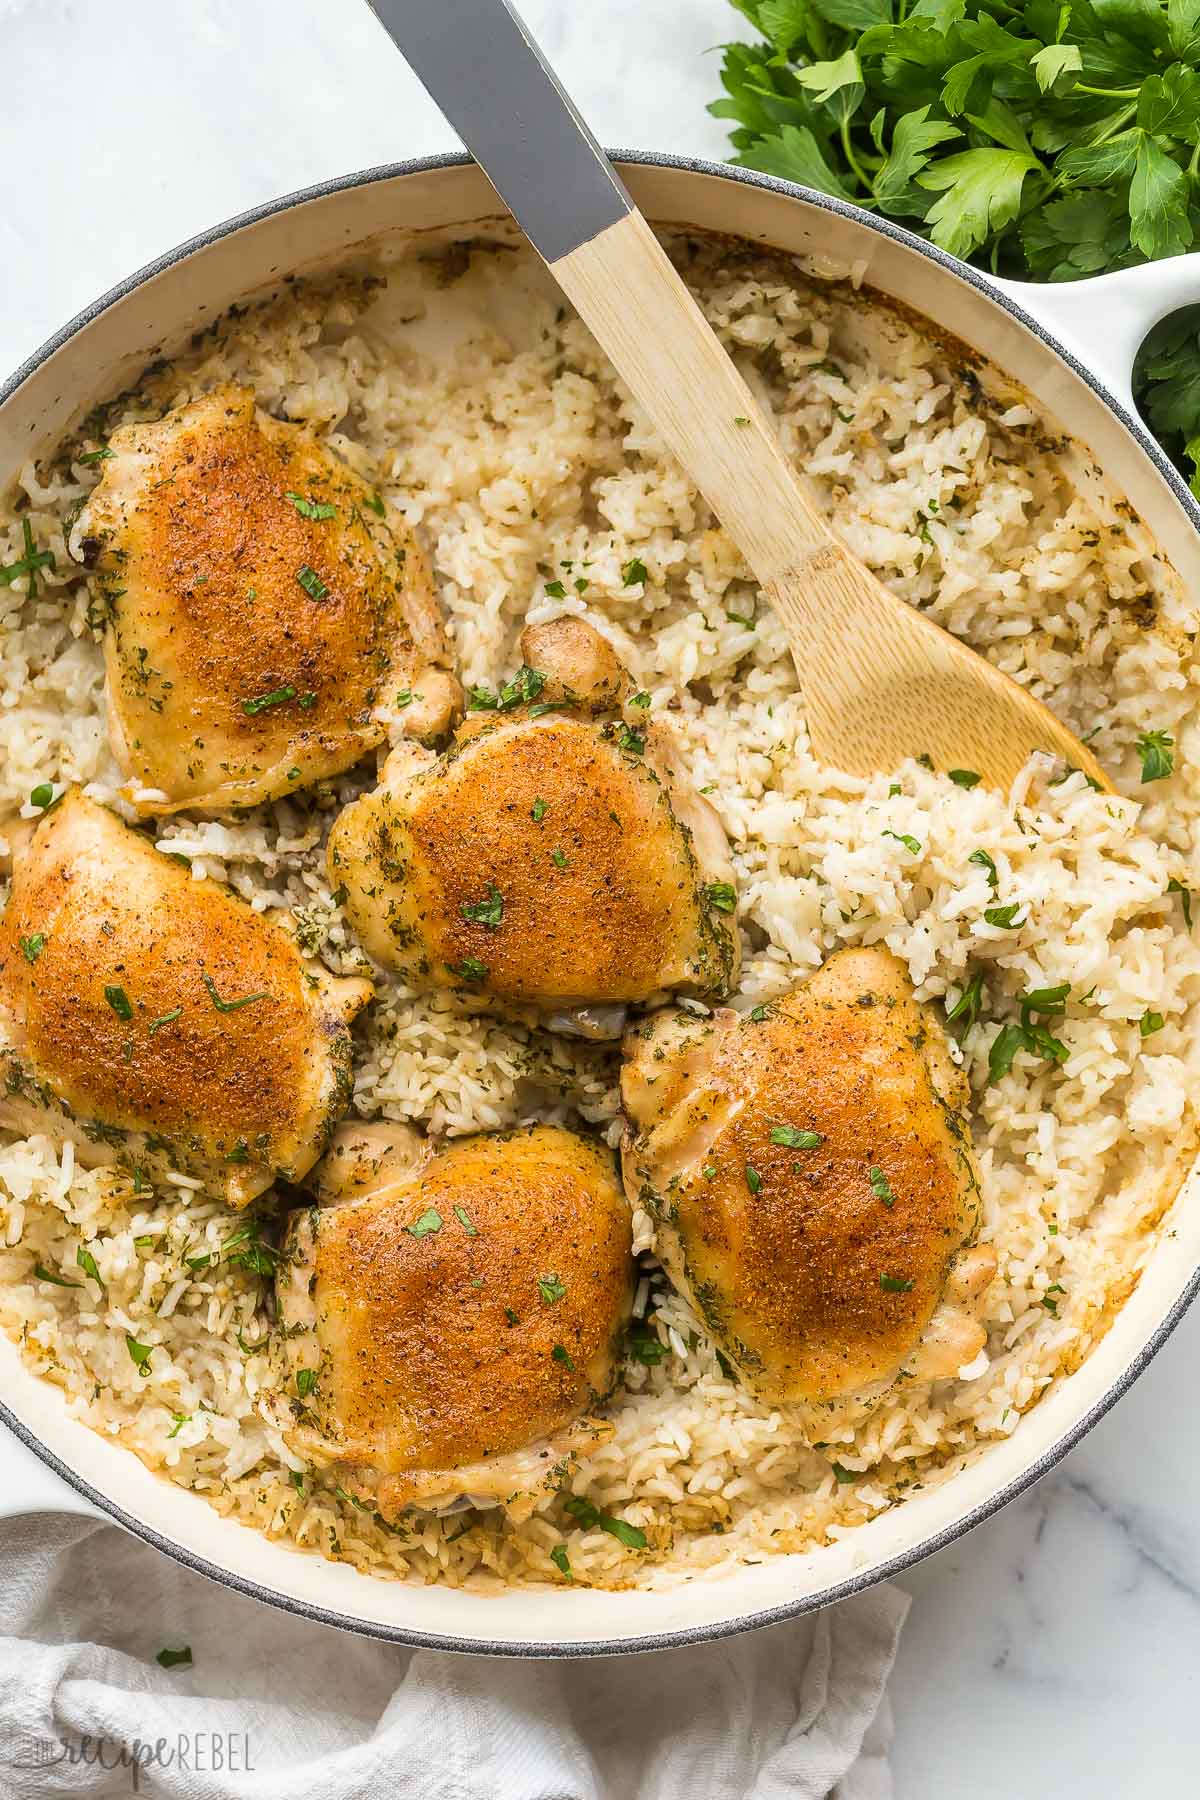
(493, 421)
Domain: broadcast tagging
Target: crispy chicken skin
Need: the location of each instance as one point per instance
(554, 856)
(156, 1020)
(813, 1180)
(264, 609)
(450, 1317)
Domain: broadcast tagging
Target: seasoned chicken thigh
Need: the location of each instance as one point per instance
(555, 855)
(450, 1317)
(268, 615)
(811, 1172)
(156, 1020)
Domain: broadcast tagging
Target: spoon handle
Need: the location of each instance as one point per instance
(489, 78)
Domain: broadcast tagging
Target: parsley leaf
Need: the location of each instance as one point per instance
(590, 1517)
(489, 911)
(311, 509)
(969, 1003)
(429, 1222)
(794, 1139)
(1156, 749)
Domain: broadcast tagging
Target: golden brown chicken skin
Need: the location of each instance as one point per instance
(157, 1020)
(450, 1317)
(556, 855)
(811, 1171)
(267, 614)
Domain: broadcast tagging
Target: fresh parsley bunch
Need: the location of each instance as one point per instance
(1050, 140)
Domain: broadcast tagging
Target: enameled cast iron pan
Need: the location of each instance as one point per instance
(1041, 337)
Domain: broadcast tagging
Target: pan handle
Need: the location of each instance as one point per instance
(1102, 321)
(28, 1485)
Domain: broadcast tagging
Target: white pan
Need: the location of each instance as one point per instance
(1047, 339)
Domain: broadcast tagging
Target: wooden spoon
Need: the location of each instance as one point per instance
(880, 682)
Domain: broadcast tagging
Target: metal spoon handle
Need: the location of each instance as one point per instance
(490, 79)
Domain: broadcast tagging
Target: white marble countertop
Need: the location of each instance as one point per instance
(1056, 1650)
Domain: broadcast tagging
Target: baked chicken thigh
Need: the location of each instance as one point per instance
(156, 1020)
(811, 1172)
(450, 1317)
(266, 611)
(555, 855)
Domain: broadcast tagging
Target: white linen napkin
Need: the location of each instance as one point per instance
(272, 1704)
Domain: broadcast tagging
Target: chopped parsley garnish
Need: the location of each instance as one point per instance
(632, 742)
(181, 1419)
(96, 456)
(167, 1018)
(895, 1284)
(293, 774)
(464, 1219)
(709, 1172)
(429, 1222)
(524, 687)
(741, 419)
(277, 697)
(1150, 1023)
(633, 572)
(141, 1353)
(118, 999)
(969, 1003)
(556, 590)
(45, 1274)
(1002, 916)
(562, 1355)
(311, 582)
(646, 1347)
(964, 778)
(559, 860)
(722, 895)
(228, 1006)
(561, 1561)
(640, 699)
(1185, 895)
(880, 1187)
(311, 509)
(175, 1659)
(842, 1475)
(551, 1289)
(753, 1179)
(1156, 749)
(306, 1381)
(87, 1262)
(1030, 1035)
(736, 618)
(43, 796)
(511, 1316)
(758, 1014)
(28, 563)
(795, 1139)
(405, 698)
(247, 1249)
(538, 810)
(910, 843)
(32, 947)
(469, 969)
(590, 1517)
(375, 502)
(984, 861)
(487, 912)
